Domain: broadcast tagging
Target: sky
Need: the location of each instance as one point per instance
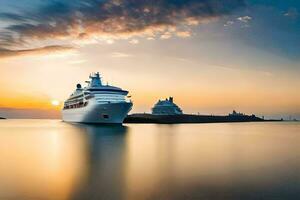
(212, 56)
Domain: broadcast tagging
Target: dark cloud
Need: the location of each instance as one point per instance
(12, 17)
(4, 53)
(79, 19)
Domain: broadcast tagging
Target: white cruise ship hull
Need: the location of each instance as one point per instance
(95, 112)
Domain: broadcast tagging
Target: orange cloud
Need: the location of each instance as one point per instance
(4, 53)
(82, 20)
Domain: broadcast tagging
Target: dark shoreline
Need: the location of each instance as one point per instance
(187, 118)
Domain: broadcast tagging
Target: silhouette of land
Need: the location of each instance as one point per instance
(188, 118)
(2, 118)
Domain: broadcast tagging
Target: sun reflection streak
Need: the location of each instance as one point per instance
(44, 164)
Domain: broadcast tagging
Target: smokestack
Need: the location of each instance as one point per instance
(171, 99)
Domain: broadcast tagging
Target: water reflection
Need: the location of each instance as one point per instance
(106, 161)
(40, 159)
(214, 161)
(55, 160)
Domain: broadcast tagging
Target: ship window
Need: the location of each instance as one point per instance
(105, 116)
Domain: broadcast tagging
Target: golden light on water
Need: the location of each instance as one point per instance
(49, 157)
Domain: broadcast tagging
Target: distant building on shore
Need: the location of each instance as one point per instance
(166, 107)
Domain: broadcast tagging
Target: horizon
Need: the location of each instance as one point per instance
(211, 56)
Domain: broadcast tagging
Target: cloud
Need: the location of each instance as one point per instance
(229, 23)
(120, 55)
(183, 34)
(166, 35)
(292, 13)
(4, 53)
(12, 17)
(134, 41)
(111, 19)
(244, 19)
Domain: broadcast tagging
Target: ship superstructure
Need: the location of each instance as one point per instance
(166, 107)
(96, 103)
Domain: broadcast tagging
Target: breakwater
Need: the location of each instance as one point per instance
(188, 118)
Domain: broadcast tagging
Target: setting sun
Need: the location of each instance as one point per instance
(55, 102)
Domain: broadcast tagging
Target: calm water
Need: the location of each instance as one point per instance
(48, 159)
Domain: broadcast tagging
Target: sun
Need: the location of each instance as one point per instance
(55, 102)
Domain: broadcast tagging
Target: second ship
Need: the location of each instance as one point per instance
(97, 103)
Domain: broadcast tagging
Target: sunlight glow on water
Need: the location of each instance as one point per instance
(49, 159)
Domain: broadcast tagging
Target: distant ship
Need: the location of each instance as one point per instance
(97, 103)
(167, 112)
(166, 107)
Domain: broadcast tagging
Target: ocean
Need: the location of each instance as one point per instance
(51, 159)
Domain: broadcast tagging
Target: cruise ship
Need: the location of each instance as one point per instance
(97, 103)
(166, 107)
